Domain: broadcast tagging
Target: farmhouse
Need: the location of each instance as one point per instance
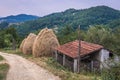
(92, 56)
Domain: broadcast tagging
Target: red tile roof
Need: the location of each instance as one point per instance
(71, 49)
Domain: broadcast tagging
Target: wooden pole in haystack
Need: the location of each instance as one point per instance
(79, 49)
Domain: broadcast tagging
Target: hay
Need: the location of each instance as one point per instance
(44, 43)
(21, 45)
(28, 44)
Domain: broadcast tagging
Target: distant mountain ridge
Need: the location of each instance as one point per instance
(18, 18)
(84, 17)
(99, 15)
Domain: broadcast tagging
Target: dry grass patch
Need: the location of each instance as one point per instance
(51, 65)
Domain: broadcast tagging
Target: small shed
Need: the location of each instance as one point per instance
(92, 55)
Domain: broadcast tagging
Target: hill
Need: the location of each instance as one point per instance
(114, 24)
(18, 18)
(85, 17)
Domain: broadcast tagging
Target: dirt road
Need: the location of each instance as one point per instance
(22, 69)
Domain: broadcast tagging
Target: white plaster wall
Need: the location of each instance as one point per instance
(103, 57)
(75, 65)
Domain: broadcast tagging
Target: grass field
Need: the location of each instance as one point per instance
(1, 58)
(3, 71)
(51, 65)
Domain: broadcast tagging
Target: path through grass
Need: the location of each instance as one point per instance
(51, 65)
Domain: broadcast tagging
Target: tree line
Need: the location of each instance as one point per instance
(9, 38)
(98, 34)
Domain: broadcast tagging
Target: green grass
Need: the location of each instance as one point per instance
(1, 58)
(3, 71)
(51, 65)
(65, 73)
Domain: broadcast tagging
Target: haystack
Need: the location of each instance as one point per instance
(44, 43)
(28, 44)
(21, 45)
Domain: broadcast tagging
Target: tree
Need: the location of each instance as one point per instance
(13, 36)
(99, 34)
(117, 40)
(4, 25)
(68, 34)
(2, 42)
(9, 37)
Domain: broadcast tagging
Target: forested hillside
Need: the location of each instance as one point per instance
(85, 17)
(99, 25)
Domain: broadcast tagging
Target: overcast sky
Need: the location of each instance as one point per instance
(44, 7)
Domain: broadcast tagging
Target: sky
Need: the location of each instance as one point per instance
(45, 7)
